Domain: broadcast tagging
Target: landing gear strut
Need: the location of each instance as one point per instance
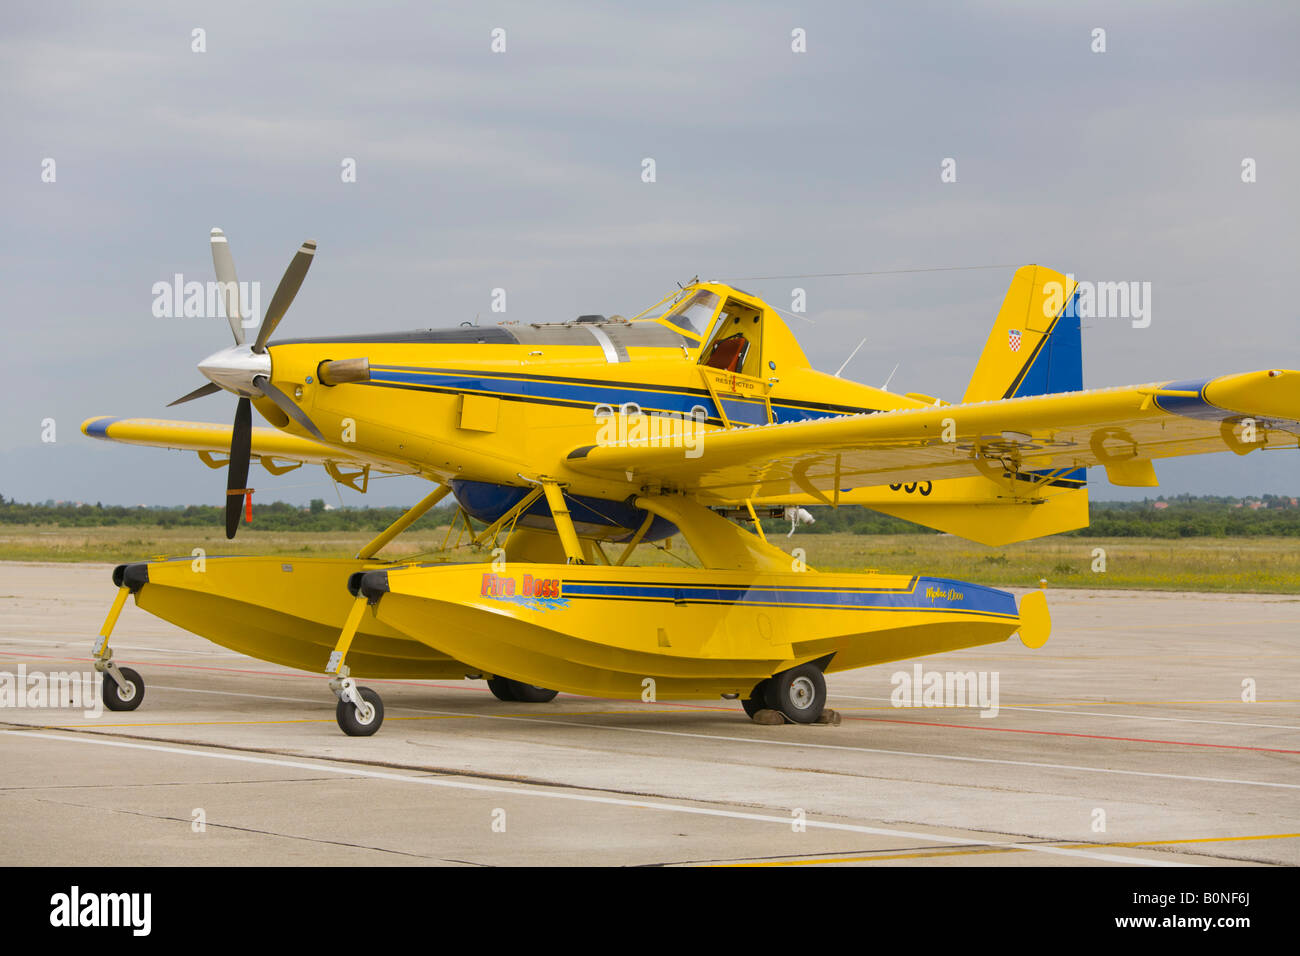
(360, 710)
(123, 687)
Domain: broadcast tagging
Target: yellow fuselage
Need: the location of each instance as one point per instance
(491, 404)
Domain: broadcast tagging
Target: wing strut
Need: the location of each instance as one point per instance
(563, 521)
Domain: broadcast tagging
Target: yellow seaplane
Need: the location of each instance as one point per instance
(569, 444)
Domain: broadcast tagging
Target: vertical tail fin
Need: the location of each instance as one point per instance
(1034, 347)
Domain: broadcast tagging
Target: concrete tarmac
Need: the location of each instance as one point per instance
(1125, 741)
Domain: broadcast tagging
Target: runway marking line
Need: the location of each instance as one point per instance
(630, 712)
(425, 682)
(300, 720)
(1231, 839)
(1150, 703)
(557, 719)
(1065, 733)
(624, 713)
(662, 806)
(1045, 710)
(399, 682)
(720, 738)
(817, 861)
(1230, 623)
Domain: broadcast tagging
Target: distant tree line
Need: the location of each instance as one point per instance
(272, 516)
(1184, 516)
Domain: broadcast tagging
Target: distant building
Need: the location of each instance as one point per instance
(1161, 505)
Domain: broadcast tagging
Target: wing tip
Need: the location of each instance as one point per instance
(98, 427)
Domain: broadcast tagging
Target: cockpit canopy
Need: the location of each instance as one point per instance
(736, 331)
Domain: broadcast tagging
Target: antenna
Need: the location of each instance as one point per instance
(850, 358)
(795, 315)
(885, 387)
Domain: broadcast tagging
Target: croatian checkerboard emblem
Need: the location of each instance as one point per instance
(1013, 340)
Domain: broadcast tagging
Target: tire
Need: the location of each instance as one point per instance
(532, 694)
(503, 688)
(113, 696)
(350, 721)
(757, 699)
(799, 693)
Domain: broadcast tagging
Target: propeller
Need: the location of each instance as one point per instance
(287, 405)
(290, 282)
(199, 392)
(241, 443)
(246, 370)
(224, 264)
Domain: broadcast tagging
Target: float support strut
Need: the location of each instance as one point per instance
(404, 522)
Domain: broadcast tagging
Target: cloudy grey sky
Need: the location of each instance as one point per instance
(522, 170)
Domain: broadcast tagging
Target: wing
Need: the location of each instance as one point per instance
(277, 451)
(1041, 438)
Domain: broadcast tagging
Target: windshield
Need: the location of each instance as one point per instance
(694, 312)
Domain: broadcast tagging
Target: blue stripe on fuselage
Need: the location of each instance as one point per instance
(584, 394)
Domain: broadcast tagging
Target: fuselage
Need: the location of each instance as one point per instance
(505, 403)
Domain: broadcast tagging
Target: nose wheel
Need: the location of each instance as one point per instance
(123, 687)
(360, 710)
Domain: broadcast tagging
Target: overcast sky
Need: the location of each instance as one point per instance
(523, 170)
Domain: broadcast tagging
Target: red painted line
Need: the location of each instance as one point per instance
(192, 667)
(369, 680)
(665, 703)
(1062, 733)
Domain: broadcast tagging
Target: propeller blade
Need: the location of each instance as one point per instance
(209, 389)
(287, 405)
(241, 443)
(284, 293)
(224, 264)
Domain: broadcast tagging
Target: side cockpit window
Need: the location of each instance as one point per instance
(736, 340)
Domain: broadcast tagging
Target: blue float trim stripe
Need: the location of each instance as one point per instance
(927, 594)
